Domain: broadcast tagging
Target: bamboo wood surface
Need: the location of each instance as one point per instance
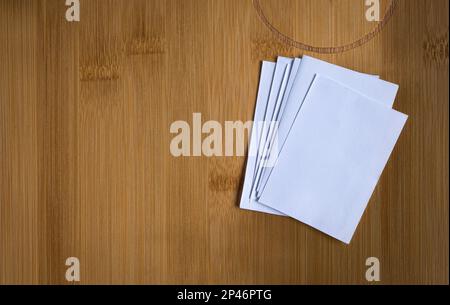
(85, 166)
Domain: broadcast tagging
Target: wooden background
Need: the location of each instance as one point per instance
(85, 168)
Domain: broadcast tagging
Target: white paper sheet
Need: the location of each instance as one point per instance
(333, 158)
(368, 85)
(267, 74)
(285, 89)
(279, 82)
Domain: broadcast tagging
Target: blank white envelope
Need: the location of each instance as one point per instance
(284, 90)
(266, 79)
(279, 81)
(332, 160)
(368, 85)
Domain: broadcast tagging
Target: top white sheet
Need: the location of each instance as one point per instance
(333, 158)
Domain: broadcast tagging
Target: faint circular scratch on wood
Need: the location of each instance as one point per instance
(326, 50)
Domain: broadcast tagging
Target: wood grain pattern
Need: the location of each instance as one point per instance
(85, 167)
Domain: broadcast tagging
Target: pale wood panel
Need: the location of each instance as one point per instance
(85, 164)
(20, 245)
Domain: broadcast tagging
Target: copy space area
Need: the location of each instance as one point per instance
(85, 163)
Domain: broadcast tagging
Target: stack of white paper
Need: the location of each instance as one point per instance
(321, 138)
